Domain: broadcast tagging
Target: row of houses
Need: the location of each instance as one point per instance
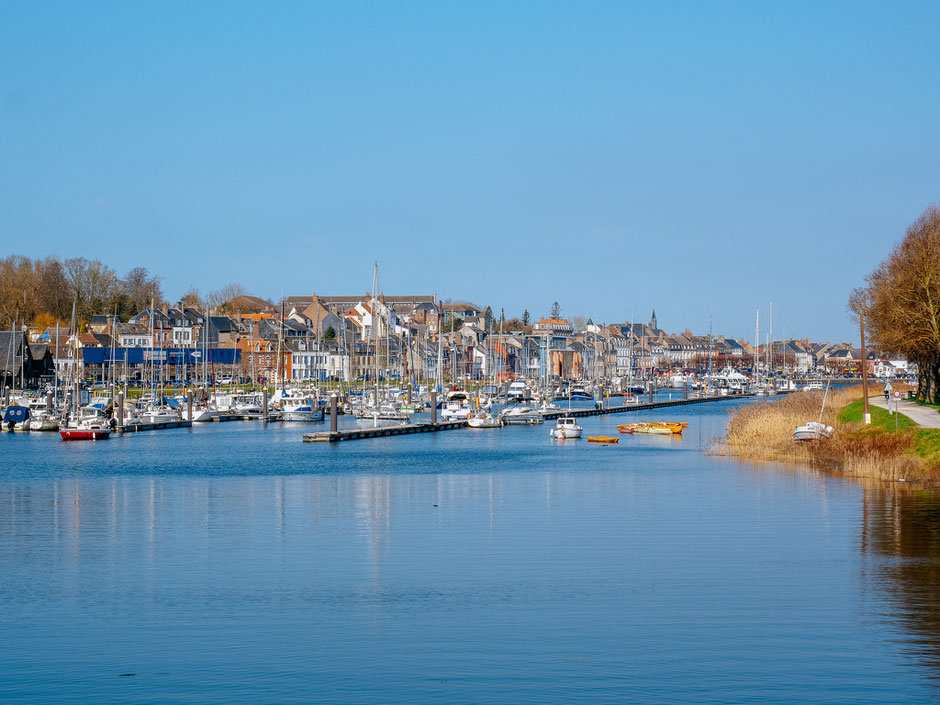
(355, 337)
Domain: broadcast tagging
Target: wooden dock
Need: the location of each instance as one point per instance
(381, 431)
(134, 428)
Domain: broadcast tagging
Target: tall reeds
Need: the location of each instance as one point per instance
(764, 431)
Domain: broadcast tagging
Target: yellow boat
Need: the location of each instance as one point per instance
(603, 439)
(661, 428)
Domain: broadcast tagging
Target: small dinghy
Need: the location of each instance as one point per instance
(603, 439)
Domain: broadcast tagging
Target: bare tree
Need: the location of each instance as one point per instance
(901, 302)
(215, 299)
(578, 323)
(93, 285)
(141, 288)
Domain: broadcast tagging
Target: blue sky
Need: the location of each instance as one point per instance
(705, 158)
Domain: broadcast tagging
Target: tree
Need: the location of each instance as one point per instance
(93, 285)
(192, 298)
(556, 311)
(526, 317)
(140, 288)
(488, 319)
(901, 302)
(215, 299)
(578, 323)
(330, 333)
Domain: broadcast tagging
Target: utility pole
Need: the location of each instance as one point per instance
(861, 324)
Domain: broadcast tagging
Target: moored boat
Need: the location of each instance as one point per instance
(566, 427)
(484, 420)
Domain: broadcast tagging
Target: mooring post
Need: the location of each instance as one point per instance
(49, 402)
(120, 410)
(685, 390)
(651, 389)
(333, 413)
(433, 406)
(189, 405)
(264, 405)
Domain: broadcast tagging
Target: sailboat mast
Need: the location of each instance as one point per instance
(757, 347)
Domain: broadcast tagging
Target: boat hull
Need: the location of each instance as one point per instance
(82, 434)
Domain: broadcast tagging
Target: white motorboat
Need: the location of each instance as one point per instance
(158, 414)
(566, 427)
(296, 405)
(376, 420)
(521, 415)
(456, 407)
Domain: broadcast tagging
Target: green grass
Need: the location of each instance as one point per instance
(853, 413)
(926, 440)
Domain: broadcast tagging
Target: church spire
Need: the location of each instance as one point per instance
(653, 320)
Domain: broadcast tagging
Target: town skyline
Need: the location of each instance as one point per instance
(614, 159)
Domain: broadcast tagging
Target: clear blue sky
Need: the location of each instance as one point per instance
(705, 158)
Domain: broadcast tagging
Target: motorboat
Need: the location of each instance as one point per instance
(518, 391)
(456, 407)
(16, 417)
(297, 406)
(566, 427)
(581, 390)
(521, 415)
(158, 414)
(249, 405)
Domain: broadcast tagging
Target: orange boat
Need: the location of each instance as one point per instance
(603, 439)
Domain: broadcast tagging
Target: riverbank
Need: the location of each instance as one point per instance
(764, 431)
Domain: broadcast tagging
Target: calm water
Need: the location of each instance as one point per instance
(230, 563)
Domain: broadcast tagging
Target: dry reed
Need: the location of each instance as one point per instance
(764, 431)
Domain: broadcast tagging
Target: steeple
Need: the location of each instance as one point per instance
(653, 320)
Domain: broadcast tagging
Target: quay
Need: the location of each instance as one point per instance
(335, 436)
(601, 411)
(357, 433)
(157, 426)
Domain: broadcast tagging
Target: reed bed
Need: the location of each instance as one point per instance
(764, 431)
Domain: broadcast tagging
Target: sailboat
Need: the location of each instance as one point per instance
(92, 425)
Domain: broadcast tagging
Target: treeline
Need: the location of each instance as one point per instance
(39, 292)
(901, 302)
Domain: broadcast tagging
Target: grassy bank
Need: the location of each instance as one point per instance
(764, 431)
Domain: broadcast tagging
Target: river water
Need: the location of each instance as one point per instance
(233, 563)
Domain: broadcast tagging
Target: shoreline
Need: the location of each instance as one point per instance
(764, 432)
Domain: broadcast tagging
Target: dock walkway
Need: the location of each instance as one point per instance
(361, 433)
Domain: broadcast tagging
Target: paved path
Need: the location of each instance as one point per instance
(921, 415)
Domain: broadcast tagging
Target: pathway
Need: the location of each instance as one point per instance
(921, 415)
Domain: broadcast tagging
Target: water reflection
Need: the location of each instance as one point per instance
(901, 529)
